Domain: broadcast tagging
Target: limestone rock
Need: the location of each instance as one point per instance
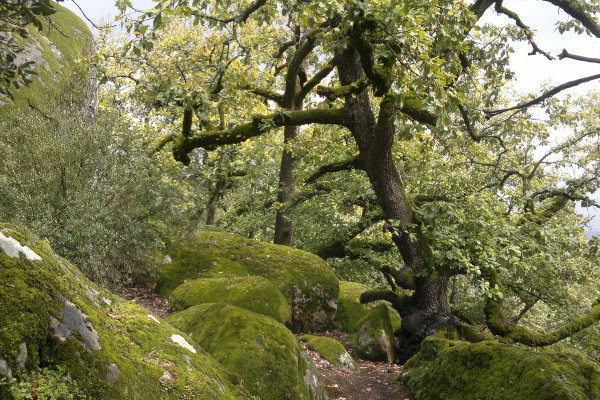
(259, 349)
(375, 337)
(453, 370)
(305, 280)
(330, 350)
(249, 292)
(113, 349)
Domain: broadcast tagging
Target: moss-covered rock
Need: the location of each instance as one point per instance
(262, 351)
(330, 350)
(306, 281)
(249, 292)
(54, 49)
(375, 337)
(52, 317)
(446, 369)
(350, 310)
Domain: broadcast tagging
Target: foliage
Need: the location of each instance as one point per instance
(469, 188)
(89, 187)
(45, 384)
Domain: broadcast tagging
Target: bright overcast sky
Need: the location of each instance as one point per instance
(531, 71)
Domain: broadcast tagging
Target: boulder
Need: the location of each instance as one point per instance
(306, 281)
(375, 337)
(249, 292)
(55, 50)
(330, 350)
(453, 370)
(261, 350)
(55, 321)
(350, 311)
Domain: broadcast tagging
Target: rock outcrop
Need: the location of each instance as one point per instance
(249, 292)
(375, 337)
(305, 280)
(453, 370)
(262, 351)
(54, 319)
(330, 350)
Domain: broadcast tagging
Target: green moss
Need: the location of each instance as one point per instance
(306, 281)
(351, 311)
(55, 52)
(262, 351)
(375, 338)
(53, 317)
(250, 292)
(445, 369)
(329, 349)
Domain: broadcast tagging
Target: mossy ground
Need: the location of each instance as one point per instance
(250, 292)
(262, 351)
(452, 370)
(351, 311)
(112, 348)
(306, 281)
(329, 349)
(375, 337)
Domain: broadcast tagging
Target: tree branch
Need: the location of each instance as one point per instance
(566, 54)
(502, 10)
(345, 165)
(267, 94)
(576, 10)
(310, 84)
(548, 94)
(292, 74)
(259, 125)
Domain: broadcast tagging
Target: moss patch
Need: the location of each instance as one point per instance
(351, 311)
(262, 351)
(446, 369)
(306, 281)
(250, 292)
(53, 317)
(329, 349)
(375, 338)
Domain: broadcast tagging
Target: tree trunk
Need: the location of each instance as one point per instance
(287, 186)
(429, 309)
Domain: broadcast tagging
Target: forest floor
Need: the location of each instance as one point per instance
(371, 381)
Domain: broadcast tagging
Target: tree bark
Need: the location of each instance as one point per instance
(428, 309)
(287, 187)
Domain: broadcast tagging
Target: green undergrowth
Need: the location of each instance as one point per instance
(262, 351)
(329, 349)
(453, 370)
(53, 317)
(305, 280)
(249, 292)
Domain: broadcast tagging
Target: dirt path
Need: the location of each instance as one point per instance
(372, 380)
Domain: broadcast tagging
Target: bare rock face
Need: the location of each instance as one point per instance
(305, 280)
(110, 348)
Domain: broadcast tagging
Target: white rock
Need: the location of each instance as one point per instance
(12, 248)
(180, 340)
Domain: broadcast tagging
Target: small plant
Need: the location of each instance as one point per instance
(45, 384)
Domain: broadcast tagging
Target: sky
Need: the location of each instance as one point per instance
(531, 71)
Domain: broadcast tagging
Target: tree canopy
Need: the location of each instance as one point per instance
(405, 116)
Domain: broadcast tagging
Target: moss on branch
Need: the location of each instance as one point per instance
(210, 140)
(400, 302)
